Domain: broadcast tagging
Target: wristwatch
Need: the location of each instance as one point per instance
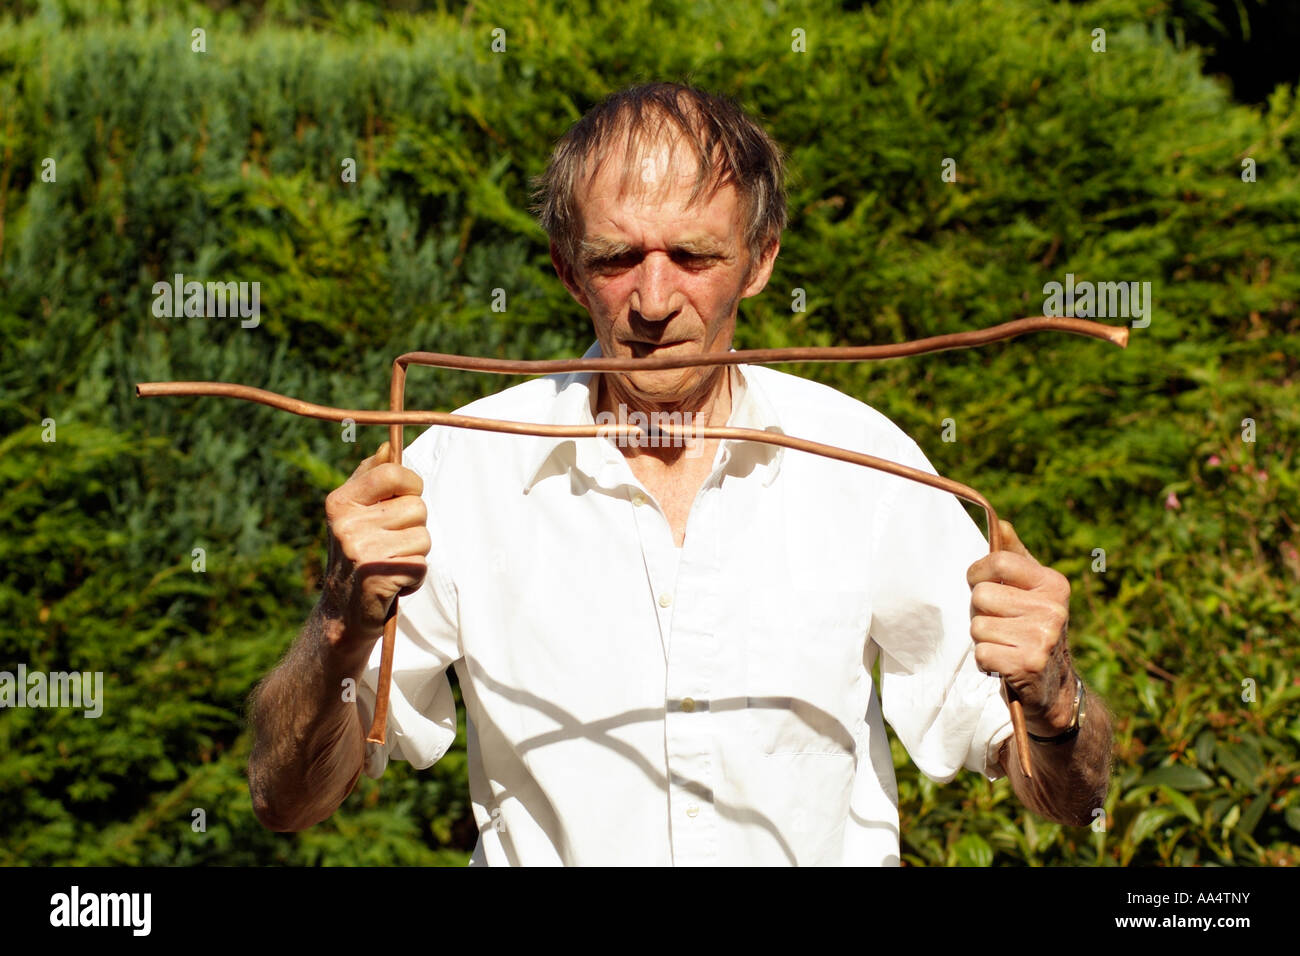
(1073, 730)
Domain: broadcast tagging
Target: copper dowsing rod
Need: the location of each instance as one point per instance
(396, 418)
(1117, 335)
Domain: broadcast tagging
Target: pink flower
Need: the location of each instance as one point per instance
(1213, 461)
(1262, 475)
(1172, 502)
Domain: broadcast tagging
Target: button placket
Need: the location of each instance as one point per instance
(692, 650)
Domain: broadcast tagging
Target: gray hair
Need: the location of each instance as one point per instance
(713, 126)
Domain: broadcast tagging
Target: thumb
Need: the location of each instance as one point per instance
(1011, 540)
(378, 458)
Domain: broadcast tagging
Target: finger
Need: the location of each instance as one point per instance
(412, 543)
(410, 546)
(1003, 600)
(1006, 567)
(395, 555)
(1029, 634)
(1010, 540)
(384, 481)
(398, 514)
(995, 659)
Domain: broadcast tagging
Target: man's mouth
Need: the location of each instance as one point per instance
(642, 349)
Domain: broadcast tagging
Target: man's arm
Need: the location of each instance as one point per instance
(1070, 779)
(309, 744)
(308, 740)
(1019, 621)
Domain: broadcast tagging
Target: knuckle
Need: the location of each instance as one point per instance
(333, 504)
(342, 527)
(419, 511)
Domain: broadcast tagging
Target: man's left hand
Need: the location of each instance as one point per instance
(1020, 612)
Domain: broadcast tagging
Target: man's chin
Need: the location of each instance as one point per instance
(667, 387)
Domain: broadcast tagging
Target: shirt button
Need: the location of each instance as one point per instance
(692, 811)
(638, 499)
(688, 705)
(665, 600)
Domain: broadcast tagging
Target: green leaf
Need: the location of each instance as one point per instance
(973, 850)
(1242, 762)
(1178, 776)
(1148, 822)
(1183, 803)
(1250, 819)
(1205, 747)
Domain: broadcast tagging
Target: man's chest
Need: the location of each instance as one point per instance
(673, 491)
(760, 622)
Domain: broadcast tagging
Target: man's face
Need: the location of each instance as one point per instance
(659, 278)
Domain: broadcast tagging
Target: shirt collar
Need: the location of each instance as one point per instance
(600, 459)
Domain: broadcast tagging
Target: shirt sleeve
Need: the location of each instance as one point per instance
(421, 707)
(945, 711)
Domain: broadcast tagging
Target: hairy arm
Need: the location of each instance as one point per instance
(1019, 622)
(1070, 779)
(309, 743)
(308, 738)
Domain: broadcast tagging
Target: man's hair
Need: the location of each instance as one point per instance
(714, 127)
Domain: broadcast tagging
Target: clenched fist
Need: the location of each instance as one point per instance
(378, 545)
(1020, 613)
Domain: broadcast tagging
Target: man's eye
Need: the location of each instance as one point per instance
(695, 260)
(614, 262)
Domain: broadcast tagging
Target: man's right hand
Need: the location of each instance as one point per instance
(378, 548)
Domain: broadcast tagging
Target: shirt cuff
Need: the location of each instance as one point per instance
(376, 755)
(991, 732)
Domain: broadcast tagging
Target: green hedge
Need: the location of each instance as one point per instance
(225, 165)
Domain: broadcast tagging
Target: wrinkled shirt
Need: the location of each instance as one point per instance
(632, 703)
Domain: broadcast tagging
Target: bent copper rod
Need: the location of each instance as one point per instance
(396, 418)
(1115, 334)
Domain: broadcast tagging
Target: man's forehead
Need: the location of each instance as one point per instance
(659, 171)
(609, 215)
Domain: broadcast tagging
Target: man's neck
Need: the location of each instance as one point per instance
(710, 405)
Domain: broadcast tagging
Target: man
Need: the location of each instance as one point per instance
(666, 653)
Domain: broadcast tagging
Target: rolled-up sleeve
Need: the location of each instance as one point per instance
(946, 713)
(421, 706)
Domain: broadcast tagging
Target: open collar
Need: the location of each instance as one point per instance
(601, 461)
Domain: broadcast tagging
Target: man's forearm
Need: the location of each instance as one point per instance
(308, 744)
(1070, 779)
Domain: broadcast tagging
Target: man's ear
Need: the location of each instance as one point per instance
(566, 273)
(761, 271)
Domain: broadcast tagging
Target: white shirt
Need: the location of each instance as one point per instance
(629, 703)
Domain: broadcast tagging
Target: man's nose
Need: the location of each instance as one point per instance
(656, 298)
